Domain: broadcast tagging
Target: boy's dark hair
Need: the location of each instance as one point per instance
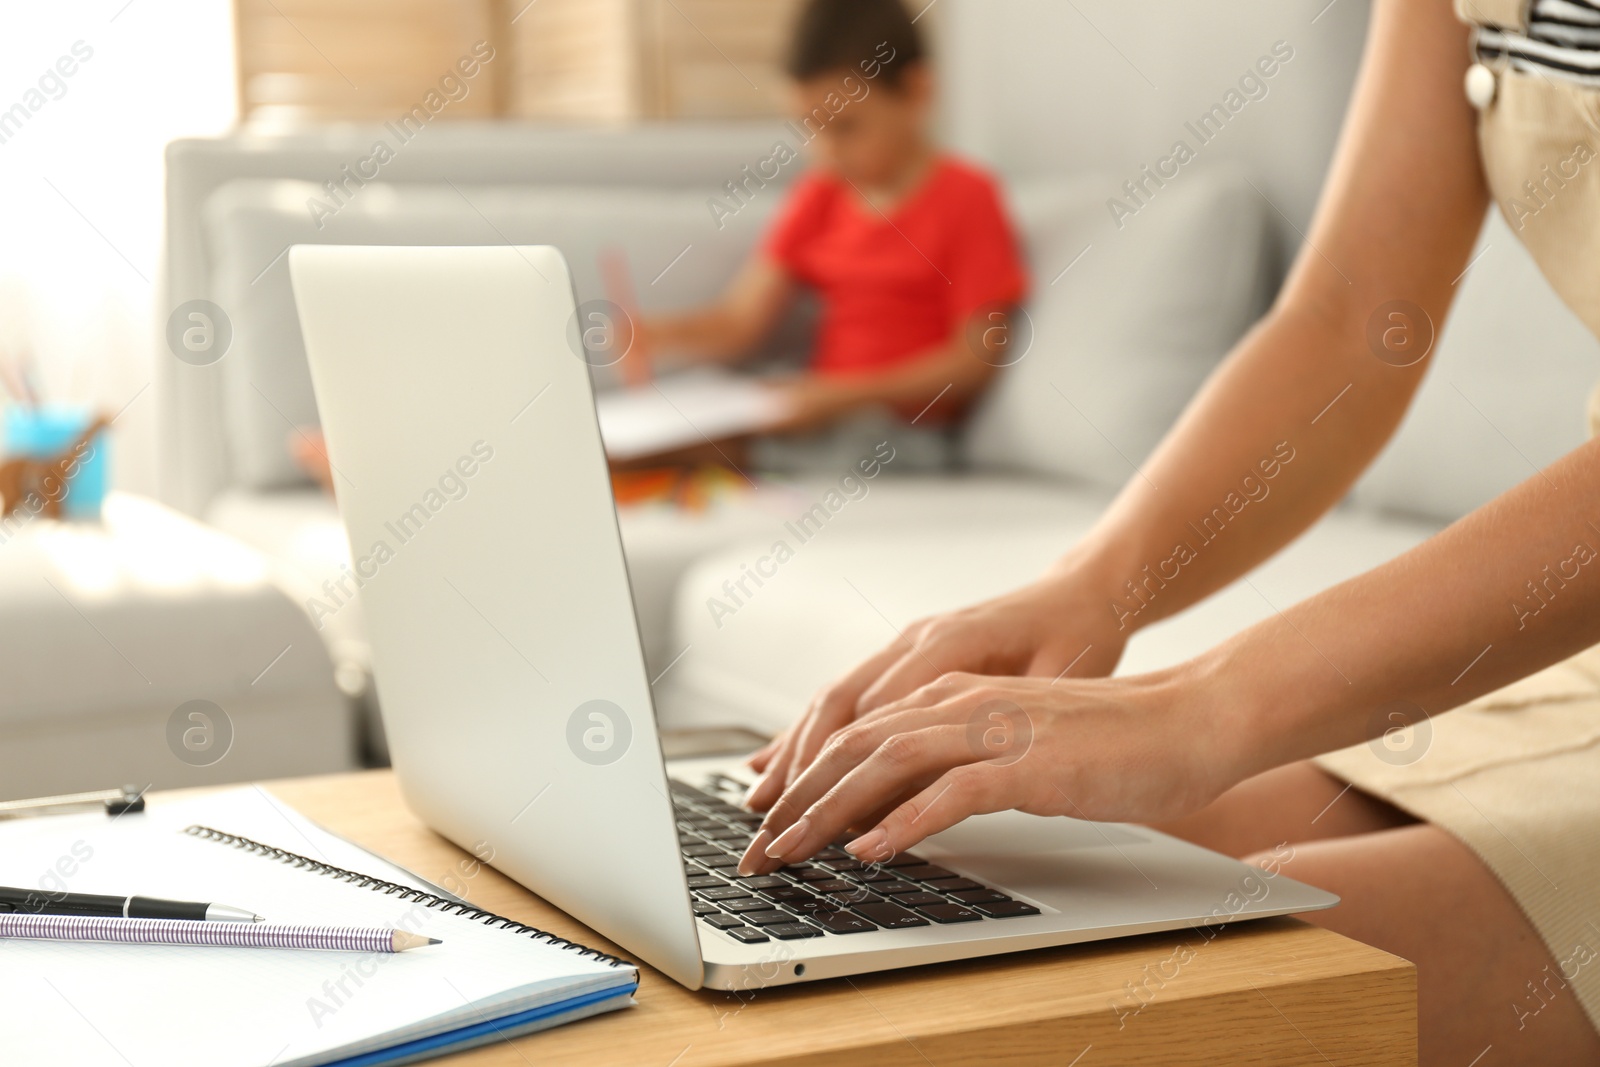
(836, 35)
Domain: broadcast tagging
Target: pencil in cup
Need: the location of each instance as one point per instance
(198, 932)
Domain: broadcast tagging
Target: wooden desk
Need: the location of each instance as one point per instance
(1273, 991)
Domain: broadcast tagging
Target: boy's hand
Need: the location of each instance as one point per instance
(811, 401)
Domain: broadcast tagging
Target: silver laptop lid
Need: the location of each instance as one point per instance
(473, 485)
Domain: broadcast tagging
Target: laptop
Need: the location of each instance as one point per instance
(455, 394)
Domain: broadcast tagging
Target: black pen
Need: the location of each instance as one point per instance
(41, 902)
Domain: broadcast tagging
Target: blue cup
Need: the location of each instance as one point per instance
(45, 433)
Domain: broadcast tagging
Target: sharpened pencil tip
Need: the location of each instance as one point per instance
(434, 941)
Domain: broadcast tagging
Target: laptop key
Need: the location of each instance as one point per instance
(842, 922)
(705, 881)
(814, 875)
(786, 893)
(815, 904)
(978, 896)
(721, 892)
(747, 935)
(723, 922)
(832, 885)
(767, 918)
(702, 907)
(833, 854)
(1005, 909)
(949, 913)
(700, 850)
(762, 881)
(895, 887)
(792, 931)
(916, 900)
(890, 916)
(869, 876)
(744, 904)
(952, 885)
(904, 859)
(924, 872)
(857, 895)
(844, 864)
(724, 860)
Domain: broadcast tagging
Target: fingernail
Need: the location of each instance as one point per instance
(789, 839)
(869, 846)
(759, 784)
(750, 862)
(755, 787)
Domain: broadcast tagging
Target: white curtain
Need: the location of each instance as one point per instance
(91, 94)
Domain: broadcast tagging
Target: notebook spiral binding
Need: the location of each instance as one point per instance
(403, 892)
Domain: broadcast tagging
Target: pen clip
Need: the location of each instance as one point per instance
(114, 801)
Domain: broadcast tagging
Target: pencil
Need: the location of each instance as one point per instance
(199, 932)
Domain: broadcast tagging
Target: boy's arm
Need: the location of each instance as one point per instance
(726, 331)
(936, 383)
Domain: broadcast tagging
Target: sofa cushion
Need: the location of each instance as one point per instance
(678, 254)
(839, 600)
(1126, 323)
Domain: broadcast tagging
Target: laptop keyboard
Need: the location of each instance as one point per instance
(832, 893)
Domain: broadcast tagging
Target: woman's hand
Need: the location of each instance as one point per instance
(1058, 625)
(1122, 750)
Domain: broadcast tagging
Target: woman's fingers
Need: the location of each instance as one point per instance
(759, 759)
(862, 772)
(833, 709)
(911, 672)
(971, 789)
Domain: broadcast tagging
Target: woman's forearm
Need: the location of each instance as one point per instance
(1320, 375)
(1274, 440)
(1504, 592)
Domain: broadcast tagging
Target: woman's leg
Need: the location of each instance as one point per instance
(1488, 990)
(1295, 802)
(1414, 890)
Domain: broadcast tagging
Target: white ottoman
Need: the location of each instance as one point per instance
(152, 650)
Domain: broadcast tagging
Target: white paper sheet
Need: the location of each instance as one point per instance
(94, 1004)
(684, 411)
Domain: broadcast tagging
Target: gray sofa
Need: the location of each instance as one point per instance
(1126, 323)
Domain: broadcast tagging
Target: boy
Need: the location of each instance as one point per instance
(909, 249)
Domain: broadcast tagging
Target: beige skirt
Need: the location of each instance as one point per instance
(1515, 775)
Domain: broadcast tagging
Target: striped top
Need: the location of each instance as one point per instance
(1563, 40)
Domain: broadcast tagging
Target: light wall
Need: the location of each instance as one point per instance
(1036, 86)
(81, 178)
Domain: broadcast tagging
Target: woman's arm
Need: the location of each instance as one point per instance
(1510, 589)
(1401, 208)
(727, 330)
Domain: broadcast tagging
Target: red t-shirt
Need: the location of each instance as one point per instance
(894, 287)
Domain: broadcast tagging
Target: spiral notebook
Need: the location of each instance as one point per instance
(95, 1004)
